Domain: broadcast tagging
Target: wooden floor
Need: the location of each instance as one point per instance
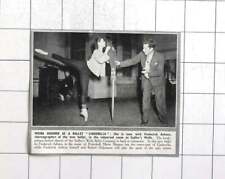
(127, 113)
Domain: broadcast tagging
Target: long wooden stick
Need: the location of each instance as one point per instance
(113, 76)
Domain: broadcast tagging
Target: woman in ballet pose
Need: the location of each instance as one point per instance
(95, 65)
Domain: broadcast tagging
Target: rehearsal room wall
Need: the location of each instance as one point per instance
(52, 43)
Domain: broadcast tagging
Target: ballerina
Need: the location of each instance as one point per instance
(95, 65)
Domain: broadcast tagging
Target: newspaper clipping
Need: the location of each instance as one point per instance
(105, 93)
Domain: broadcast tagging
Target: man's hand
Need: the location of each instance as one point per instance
(145, 73)
(117, 63)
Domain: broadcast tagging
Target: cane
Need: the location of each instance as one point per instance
(113, 78)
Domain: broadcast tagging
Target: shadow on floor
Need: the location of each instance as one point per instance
(127, 113)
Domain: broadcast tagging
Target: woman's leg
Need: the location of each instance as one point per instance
(83, 73)
(84, 81)
(74, 64)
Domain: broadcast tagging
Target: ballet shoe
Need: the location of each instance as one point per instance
(84, 114)
(42, 52)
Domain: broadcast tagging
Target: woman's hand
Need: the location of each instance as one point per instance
(107, 49)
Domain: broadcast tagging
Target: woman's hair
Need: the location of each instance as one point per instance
(98, 39)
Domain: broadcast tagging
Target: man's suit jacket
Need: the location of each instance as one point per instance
(156, 66)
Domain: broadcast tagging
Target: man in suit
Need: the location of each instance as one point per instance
(153, 82)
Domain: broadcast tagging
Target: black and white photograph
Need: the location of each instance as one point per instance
(104, 79)
(105, 93)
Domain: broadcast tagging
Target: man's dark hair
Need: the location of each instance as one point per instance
(151, 43)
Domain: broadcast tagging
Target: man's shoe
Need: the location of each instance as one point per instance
(163, 120)
(144, 122)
